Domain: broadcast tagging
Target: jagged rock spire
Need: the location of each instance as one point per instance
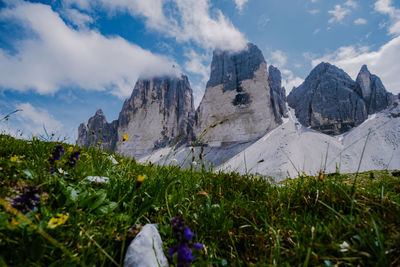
(371, 88)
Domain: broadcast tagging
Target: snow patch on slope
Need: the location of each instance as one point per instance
(291, 149)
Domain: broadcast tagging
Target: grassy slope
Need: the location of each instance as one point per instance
(240, 220)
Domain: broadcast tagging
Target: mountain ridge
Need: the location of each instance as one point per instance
(244, 102)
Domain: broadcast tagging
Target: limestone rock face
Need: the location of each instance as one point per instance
(98, 132)
(159, 112)
(373, 92)
(236, 106)
(146, 250)
(278, 93)
(328, 101)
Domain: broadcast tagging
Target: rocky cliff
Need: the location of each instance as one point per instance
(159, 112)
(331, 102)
(236, 106)
(373, 92)
(98, 132)
(327, 101)
(278, 93)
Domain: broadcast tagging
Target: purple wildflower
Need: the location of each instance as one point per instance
(74, 158)
(55, 156)
(188, 234)
(184, 236)
(28, 200)
(57, 152)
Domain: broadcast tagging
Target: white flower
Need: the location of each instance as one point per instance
(344, 246)
(62, 171)
(194, 163)
(174, 160)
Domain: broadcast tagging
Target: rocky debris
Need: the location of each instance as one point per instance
(328, 101)
(394, 110)
(146, 249)
(98, 179)
(236, 106)
(373, 92)
(159, 112)
(278, 94)
(98, 132)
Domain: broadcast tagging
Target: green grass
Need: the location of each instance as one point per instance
(241, 220)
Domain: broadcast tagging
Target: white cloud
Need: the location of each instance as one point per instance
(263, 21)
(30, 121)
(278, 58)
(351, 3)
(386, 7)
(360, 21)
(313, 11)
(35, 120)
(196, 64)
(58, 55)
(77, 18)
(289, 80)
(384, 62)
(191, 20)
(240, 4)
(338, 13)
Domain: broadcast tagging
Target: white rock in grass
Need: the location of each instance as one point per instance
(113, 160)
(146, 249)
(98, 179)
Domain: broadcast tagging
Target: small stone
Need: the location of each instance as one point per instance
(98, 179)
(146, 249)
(112, 159)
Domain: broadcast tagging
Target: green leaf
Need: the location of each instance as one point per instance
(71, 194)
(28, 174)
(95, 200)
(108, 208)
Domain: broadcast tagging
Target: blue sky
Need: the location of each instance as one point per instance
(61, 60)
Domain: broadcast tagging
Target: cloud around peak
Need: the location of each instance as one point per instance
(56, 55)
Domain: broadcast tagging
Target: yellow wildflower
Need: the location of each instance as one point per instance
(125, 137)
(99, 142)
(57, 221)
(15, 222)
(141, 178)
(14, 158)
(34, 138)
(70, 149)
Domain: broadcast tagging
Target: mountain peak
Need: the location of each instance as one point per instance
(364, 68)
(230, 68)
(372, 90)
(99, 112)
(327, 100)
